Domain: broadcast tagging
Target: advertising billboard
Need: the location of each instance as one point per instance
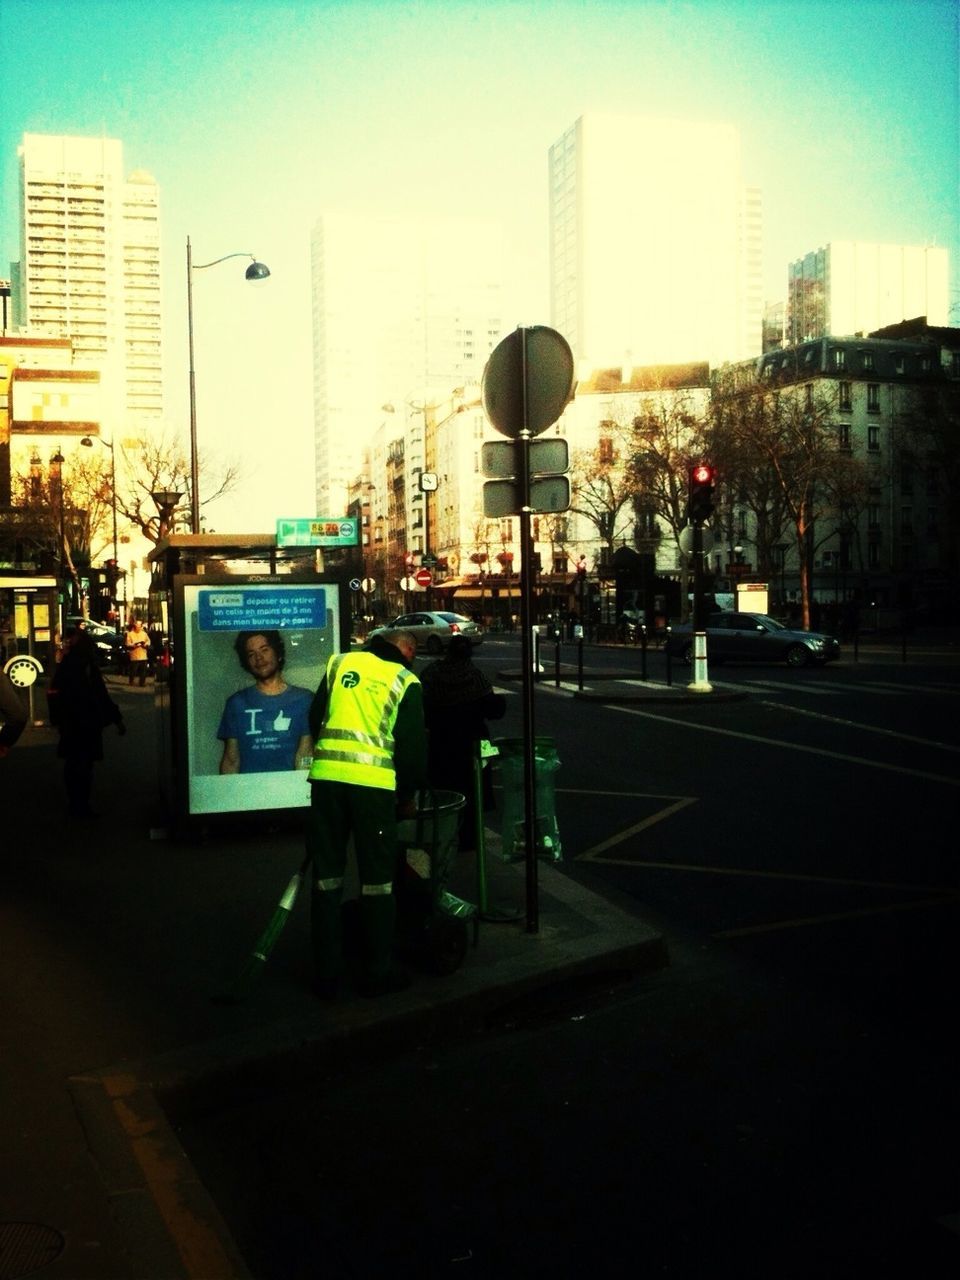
(250, 655)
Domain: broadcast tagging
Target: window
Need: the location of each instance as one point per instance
(839, 358)
(560, 564)
(873, 515)
(868, 360)
(844, 393)
(873, 397)
(808, 395)
(873, 555)
(843, 435)
(605, 450)
(873, 439)
(898, 364)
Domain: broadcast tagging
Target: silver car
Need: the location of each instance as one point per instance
(433, 631)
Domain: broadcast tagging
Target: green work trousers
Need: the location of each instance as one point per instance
(337, 810)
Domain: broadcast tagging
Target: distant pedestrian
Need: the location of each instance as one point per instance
(458, 700)
(137, 644)
(80, 708)
(13, 713)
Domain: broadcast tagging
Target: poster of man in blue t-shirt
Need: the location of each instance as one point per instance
(264, 727)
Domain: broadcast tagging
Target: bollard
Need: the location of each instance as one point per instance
(556, 664)
(578, 636)
(666, 646)
(643, 651)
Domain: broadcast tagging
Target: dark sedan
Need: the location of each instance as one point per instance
(754, 637)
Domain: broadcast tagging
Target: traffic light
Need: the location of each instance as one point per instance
(111, 575)
(702, 480)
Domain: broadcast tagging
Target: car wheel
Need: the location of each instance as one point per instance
(434, 645)
(798, 655)
(686, 653)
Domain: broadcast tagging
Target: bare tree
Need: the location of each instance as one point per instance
(782, 446)
(602, 490)
(159, 463)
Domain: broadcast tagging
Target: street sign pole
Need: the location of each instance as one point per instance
(527, 383)
(526, 623)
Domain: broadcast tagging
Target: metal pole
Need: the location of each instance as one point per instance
(526, 624)
(116, 552)
(194, 465)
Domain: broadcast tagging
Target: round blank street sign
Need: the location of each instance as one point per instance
(368, 585)
(509, 404)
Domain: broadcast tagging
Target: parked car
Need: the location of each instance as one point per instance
(433, 631)
(738, 637)
(110, 650)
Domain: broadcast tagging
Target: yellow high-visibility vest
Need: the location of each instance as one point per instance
(356, 742)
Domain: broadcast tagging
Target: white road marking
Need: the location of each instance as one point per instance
(787, 746)
(868, 728)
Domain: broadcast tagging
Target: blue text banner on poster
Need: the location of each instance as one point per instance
(320, 531)
(242, 610)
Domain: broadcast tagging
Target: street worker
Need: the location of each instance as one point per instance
(137, 644)
(369, 759)
(81, 708)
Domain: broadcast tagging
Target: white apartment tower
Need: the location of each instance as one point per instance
(403, 312)
(90, 268)
(850, 287)
(655, 243)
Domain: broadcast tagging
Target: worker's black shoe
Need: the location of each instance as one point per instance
(388, 985)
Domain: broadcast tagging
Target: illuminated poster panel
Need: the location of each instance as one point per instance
(253, 654)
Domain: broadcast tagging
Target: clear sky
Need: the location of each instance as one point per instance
(256, 115)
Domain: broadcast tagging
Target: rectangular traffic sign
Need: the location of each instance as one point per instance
(500, 459)
(547, 493)
(318, 531)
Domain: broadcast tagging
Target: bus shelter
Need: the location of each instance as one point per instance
(213, 600)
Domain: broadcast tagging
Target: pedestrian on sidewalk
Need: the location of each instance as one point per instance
(80, 708)
(137, 644)
(458, 700)
(369, 758)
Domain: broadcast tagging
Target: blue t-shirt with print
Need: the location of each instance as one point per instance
(267, 727)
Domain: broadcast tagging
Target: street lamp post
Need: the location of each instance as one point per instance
(255, 271)
(108, 444)
(59, 459)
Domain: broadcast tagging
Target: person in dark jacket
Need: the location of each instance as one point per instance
(458, 700)
(80, 708)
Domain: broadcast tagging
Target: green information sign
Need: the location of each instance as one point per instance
(319, 531)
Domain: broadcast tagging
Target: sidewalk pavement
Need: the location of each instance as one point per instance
(116, 945)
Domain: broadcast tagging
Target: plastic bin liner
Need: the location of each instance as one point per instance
(429, 843)
(513, 821)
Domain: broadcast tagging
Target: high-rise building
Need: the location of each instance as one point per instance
(655, 243)
(403, 311)
(850, 287)
(90, 267)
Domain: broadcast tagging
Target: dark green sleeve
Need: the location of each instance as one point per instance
(410, 742)
(318, 709)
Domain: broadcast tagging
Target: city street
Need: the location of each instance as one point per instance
(781, 1101)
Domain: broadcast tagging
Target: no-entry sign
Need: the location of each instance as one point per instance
(423, 577)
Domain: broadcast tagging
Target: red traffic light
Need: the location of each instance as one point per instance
(702, 474)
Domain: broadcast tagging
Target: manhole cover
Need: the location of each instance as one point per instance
(25, 1247)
